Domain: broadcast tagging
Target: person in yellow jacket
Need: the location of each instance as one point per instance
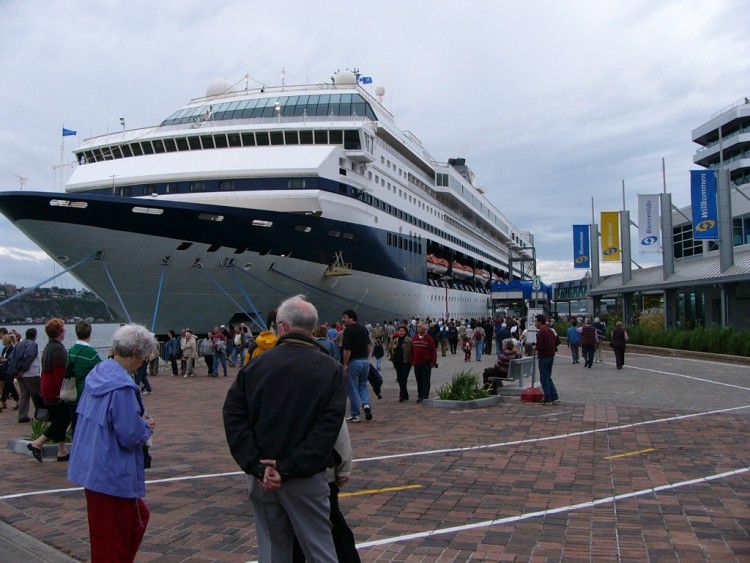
(265, 340)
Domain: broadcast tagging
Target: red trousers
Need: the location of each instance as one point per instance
(116, 526)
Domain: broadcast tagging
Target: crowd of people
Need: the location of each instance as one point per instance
(285, 414)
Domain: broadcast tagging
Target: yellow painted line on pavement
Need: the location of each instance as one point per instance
(383, 490)
(631, 453)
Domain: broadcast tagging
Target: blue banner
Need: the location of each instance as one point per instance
(581, 247)
(704, 207)
(68, 132)
(365, 79)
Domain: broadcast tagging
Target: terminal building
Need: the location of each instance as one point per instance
(700, 282)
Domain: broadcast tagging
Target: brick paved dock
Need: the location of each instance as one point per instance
(650, 463)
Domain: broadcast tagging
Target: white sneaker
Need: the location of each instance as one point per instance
(353, 419)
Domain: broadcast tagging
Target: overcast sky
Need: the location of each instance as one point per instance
(551, 102)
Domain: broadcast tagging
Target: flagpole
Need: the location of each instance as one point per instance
(664, 174)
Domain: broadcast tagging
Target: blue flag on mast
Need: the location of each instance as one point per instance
(68, 132)
(581, 247)
(365, 79)
(704, 205)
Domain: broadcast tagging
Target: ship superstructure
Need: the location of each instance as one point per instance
(246, 196)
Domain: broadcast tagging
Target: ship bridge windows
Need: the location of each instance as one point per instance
(226, 186)
(197, 186)
(220, 141)
(348, 138)
(277, 137)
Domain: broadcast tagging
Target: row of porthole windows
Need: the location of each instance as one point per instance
(454, 298)
(388, 165)
(349, 138)
(403, 243)
(403, 194)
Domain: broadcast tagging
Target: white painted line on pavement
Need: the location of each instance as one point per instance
(702, 380)
(542, 513)
(416, 454)
(549, 438)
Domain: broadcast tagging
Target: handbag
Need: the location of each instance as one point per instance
(68, 389)
(41, 414)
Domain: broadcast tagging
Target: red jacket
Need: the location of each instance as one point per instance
(54, 361)
(546, 342)
(423, 350)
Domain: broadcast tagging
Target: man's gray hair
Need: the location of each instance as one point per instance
(133, 340)
(298, 312)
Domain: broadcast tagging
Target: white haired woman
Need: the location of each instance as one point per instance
(107, 454)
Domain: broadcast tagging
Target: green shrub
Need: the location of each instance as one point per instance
(38, 427)
(465, 386)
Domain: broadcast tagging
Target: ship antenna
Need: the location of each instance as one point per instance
(283, 78)
(22, 181)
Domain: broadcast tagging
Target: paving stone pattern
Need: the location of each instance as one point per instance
(441, 474)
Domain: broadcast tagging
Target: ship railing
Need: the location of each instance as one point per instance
(269, 120)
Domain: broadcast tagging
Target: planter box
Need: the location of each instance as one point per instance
(474, 404)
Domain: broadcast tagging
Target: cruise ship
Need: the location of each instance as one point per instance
(248, 195)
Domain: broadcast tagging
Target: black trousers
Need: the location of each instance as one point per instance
(343, 537)
(59, 418)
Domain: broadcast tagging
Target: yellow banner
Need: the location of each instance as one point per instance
(610, 236)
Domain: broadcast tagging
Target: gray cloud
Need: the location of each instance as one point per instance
(552, 103)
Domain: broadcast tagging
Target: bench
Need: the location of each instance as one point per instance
(517, 370)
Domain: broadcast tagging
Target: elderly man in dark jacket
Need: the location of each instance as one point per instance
(282, 417)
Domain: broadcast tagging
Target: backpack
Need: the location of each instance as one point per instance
(477, 335)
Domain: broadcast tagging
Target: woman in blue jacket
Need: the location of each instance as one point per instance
(107, 454)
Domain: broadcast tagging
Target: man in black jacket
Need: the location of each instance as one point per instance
(282, 417)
